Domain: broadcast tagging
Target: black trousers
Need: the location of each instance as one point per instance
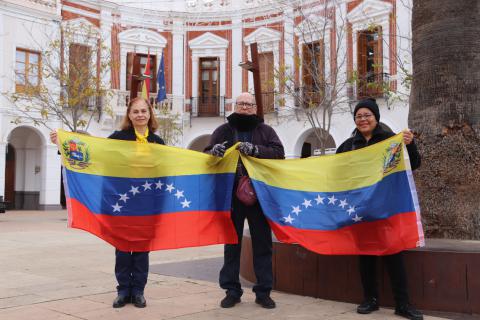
(396, 271)
(262, 251)
(131, 271)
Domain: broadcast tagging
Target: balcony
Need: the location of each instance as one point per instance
(372, 85)
(211, 106)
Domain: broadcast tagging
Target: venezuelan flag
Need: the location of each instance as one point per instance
(358, 202)
(144, 197)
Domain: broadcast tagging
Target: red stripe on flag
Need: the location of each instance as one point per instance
(382, 237)
(155, 232)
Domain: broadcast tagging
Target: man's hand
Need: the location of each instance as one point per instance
(248, 149)
(219, 149)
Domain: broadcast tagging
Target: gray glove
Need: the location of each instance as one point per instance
(248, 149)
(219, 149)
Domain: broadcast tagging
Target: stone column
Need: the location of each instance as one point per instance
(3, 151)
(106, 22)
(195, 70)
(178, 63)
(236, 56)
(51, 179)
(289, 39)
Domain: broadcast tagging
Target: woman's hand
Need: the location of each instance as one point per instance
(54, 137)
(407, 136)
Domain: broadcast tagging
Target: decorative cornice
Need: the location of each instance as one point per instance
(208, 41)
(369, 9)
(142, 37)
(263, 35)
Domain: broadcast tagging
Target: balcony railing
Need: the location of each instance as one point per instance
(124, 98)
(210, 106)
(372, 85)
(306, 96)
(270, 103)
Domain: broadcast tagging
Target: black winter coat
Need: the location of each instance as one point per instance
(263, 136)
(357, 141)
(129, 134)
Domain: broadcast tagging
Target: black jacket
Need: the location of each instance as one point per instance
(129, 134)
(357, 141)
(263, 136)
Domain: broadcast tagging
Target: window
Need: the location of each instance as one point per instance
(369, 59)
(27, 70)
(313, 72)
(141, 59)
(267, 80)
(79, 78)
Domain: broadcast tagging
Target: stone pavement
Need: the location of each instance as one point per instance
(50, 272)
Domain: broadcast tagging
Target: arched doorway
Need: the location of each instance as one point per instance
(10, 176)
(23, 168)
(312, 147)
(199, 143)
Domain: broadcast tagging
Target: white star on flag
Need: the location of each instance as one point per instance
(288, 219)
(146, 186)
(123, 197)
(179, 194)
(296, 210)
(170, 187)
(116, 207)
(351, 210)
(357, 218)
(134, 190)
(343, 203)
(319, 199)
(332, 200)
(159, 184)
(186, 203)
(307, 203)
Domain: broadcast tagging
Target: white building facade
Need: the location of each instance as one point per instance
(203, 43)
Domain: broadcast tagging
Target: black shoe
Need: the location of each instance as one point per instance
(368, 306)
(408, 311)
(229, 301)
(120, 301)
(266, 302)
(139, 301)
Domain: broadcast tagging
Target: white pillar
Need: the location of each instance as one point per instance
(195, 67)
(178, 62)
(123, 69)
(3, 152)
(106, 21)
(341, 42)
(236, 56)
(289, 43)
(50, 185)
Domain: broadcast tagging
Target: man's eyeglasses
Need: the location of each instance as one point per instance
(246, 105)
(359, 117)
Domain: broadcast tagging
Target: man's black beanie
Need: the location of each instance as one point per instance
(368, 103)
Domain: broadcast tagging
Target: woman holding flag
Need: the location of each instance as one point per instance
(131, 268)
(368, 131)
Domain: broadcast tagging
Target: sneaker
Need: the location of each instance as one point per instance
(266, 302)
(229, 301)
(368, 306)
(408, 311)
(120, 301)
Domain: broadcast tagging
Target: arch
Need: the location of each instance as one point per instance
(307, 136)
(199, 142)
(28, 143)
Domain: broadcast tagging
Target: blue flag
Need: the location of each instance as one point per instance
(162, 90)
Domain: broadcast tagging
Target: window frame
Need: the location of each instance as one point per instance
(21, 87)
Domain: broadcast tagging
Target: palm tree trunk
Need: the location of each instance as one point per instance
(445, 112)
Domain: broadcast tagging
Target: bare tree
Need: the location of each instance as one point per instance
(320, 60)
(68, 81)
